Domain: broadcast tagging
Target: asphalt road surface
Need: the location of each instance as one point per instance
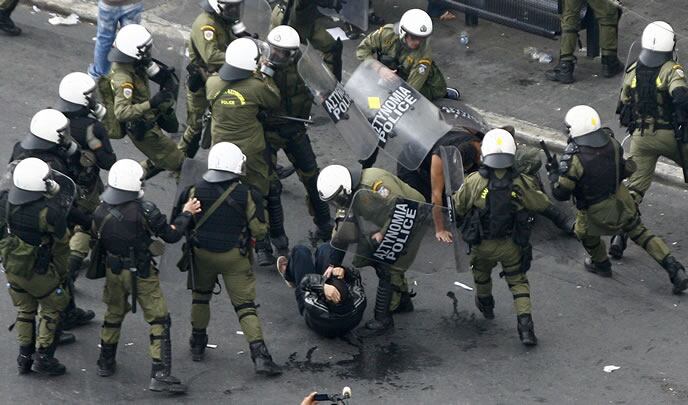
(444, 352)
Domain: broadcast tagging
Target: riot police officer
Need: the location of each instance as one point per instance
(211, 32)
(220, 239)
(404, 48)
(50, 140)
(125, 225)
(290, 135)
(338, 184)
(604, 204)
(33, 249)
(237, 94)
(143, 116)
(78, 104)
(6, 23)
(493, 206)
(653, 106)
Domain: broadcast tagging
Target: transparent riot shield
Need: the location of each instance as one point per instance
(461, 117)
(393, 231)
(331, 96)
(192, 171)
(452, 170)
(256, 17)
(406, 124)
(354, 12)
(67, 192)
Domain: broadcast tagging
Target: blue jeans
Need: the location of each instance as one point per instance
(109, 18)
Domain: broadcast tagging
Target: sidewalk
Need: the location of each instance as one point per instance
(492, 72)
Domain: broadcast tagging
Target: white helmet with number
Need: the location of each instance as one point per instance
(241, 59)
(415, 22)
(582, 120)
(498, 149)
(284, 43)
(134, 41)
(48, 128)
(658, 42)
(124, 182)
(332, 181)
(225, 162)
(30, 180)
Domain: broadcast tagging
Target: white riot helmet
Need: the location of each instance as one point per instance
(335, 183)
(124, 182)
(225, 162)
(241, 60)
(284, 43)
(132, 43)
(658, 43)
(76, 92)
(415, 22)
(582, 120)
(49, 128)
(498, 149)
(229, 10)
(30, 181)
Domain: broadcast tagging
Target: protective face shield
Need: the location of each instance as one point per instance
(241, 59)
(415, 22)
(335, 184)
(582, 120)
(135, 41)
(125, 182)
(498, 149)
(76, 92)
(31, 180)
(225, 162)
(284, 44)
(658, 42)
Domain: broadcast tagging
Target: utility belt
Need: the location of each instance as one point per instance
(285, 129)
(141, 264)
(473, 229)
(653, 126)
(585, 203)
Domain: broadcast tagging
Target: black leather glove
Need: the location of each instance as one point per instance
(160, 97)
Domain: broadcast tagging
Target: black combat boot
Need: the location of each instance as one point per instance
(602, 269)
(162, 379)
(617, 245)
(677, 274)
(611, 65)
(562, 220)
(453, 94)
(382, 321)
(281, 244)
(106, 362)
(262, 360)
(7, 25)
(526, 330)
(46, 363)
(197, 342)
(25, 358)
(563, 72)
(405, 303)
(284, 172)
(65, 338)
(75, 316)
(74, 265)
(264, 255)
(486, 306)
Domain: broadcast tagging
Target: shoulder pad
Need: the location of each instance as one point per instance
(149, 209)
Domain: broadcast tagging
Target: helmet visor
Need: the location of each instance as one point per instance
(231, 11)
(145, 51)
(281, 56)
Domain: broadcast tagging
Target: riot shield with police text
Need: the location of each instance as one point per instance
(461, 117)
(191, 173)
(331, 96)
(406, 124)
(355, 12)
(392, 231)
(256, 17)
(452, 171)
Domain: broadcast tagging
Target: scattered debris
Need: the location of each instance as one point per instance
(71, 19)
(36, 10)
(129, 344)
(462, 285)
(240, 352)
(211, 346)
(610, 368)
(541, 57)
(240, 332)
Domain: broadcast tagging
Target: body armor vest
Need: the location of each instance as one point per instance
(226, 228)
(50, 156)
(498, 216)
(126, 228)
(649, 100)
(24, 221)
(84, 176)
(601, 174)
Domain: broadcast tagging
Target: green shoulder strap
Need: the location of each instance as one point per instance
(215, 206)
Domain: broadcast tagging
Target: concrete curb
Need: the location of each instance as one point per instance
(526, 132)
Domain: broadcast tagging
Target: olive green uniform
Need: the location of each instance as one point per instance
(653, 136)
(132, 106)
(240, 282)
(607, 16)
(485, 256)
(36, 294)
(617, 213)
(209, 38)
(235, 107)
(389, 187)
(416, 67)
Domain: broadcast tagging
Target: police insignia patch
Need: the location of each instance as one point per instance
(422, 69)
(680, 73)
(208, 35)
(127, 90)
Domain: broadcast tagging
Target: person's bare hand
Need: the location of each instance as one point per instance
(328, 272)
(377, 237)
(444, 236)
(338, 272)
(388, 74)
(193, 206)
(332, 294)
(309, 399)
